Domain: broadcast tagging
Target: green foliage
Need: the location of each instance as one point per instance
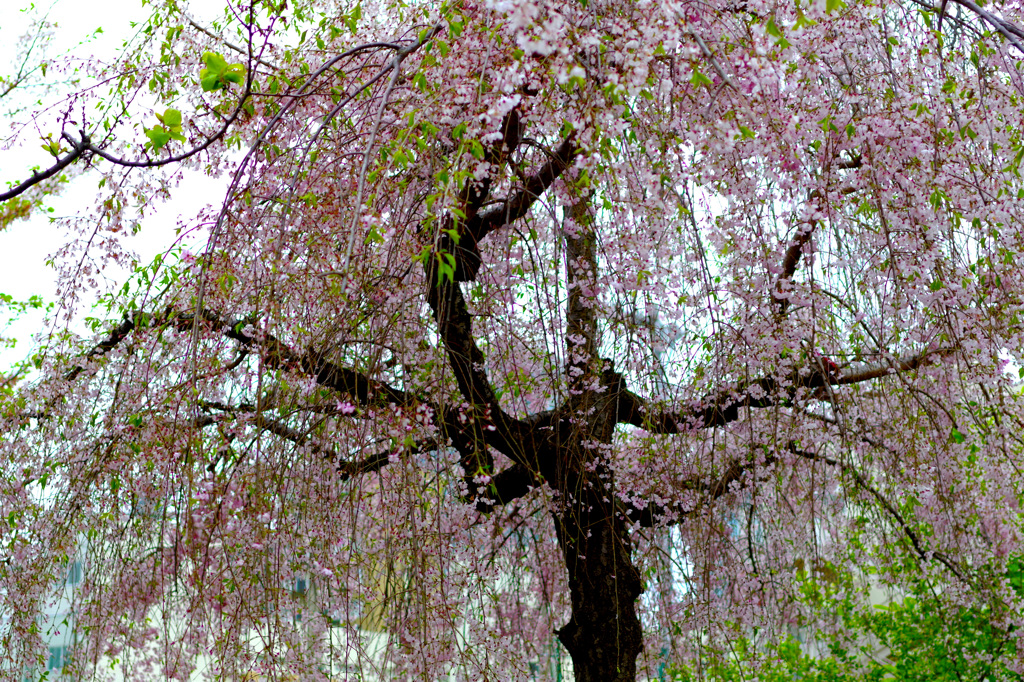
(14, 209)
(782, 662)
(12, 309)
(169, 129)
(52, 146)
(917, 639)
(218, 74)
(929, 642)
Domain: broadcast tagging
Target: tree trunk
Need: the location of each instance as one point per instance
(604, 636)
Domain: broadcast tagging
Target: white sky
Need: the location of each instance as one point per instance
(26, 244)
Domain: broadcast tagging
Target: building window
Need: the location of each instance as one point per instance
(74, 573)
(300, 588)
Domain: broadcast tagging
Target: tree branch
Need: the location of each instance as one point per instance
(791, 260)
(487, 424)
(506, 486)
(517, 206)
(79, 147)
(862, 483)
(379, 460)
(581, 334)
(657, 515)
(725, 406)
(116, 336)
(789, 264)
(885, 369)
(295, 436)
(1008, 30)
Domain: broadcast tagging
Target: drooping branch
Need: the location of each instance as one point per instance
(726, 406)
(657, 515)
(862, 483)
(84, 147)
(469, 434)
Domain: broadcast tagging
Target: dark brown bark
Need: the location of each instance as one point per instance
(603, 636)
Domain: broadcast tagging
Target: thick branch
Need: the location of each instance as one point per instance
(791, 260)
(464, 247)
(906, 365)
(471, 434)
(666, 515)
(490, 422)
(506, 486)
(1013, 33)
(295, 436)
(79, 148)
(718, 410)
(725, 407)
(581, 275)
(789, 264)
(518, 205)
(116, 336)
(363, 390)
(379, 460)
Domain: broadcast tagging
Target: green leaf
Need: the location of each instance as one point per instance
(698, 79)
(214, 61)
(802, 20)
(209, 81)
(956, 436)
(158, 137)
(171, 118)
(218, 74)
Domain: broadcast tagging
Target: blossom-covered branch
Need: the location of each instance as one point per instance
(727, 405)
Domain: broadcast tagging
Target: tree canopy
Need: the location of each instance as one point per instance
(638, 333)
